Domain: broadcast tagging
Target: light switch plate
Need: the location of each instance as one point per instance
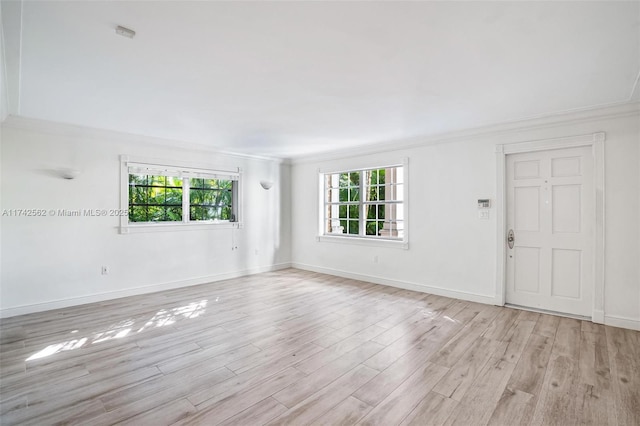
(483, 214)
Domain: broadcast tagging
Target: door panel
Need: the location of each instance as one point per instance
(527, 216)
(551, 208)
(526, 169)
(565, 166)
(566, 206)
(566, 278)
(527, 269)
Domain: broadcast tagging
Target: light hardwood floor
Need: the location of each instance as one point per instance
(295, 347)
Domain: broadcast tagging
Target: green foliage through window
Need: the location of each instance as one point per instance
(366, 203)
(155, 198)
(210, 199)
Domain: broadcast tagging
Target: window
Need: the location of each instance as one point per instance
(365, 203)
(211, 199)
(155, 198)
(173, 195)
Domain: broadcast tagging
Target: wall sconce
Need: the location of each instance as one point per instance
(265, 184)
(125, 32)
(68, 173)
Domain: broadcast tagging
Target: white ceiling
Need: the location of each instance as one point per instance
(289, 79)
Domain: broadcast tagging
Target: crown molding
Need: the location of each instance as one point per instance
(575, 116)
(617, 110)
(91, 133)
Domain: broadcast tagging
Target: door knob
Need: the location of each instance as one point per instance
(511, 238)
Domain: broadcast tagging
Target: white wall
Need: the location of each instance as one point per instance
(50, 262)
(11, 34)
(53, 262)
(4, 106)
(451, 251)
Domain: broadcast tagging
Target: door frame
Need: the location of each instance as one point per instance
(596, 142)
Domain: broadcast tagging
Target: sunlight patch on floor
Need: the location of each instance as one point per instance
(167, 317)
(59, 347)
(122, 329)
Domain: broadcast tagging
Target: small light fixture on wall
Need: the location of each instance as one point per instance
(68, 173)
(125, 32)
(265, 184)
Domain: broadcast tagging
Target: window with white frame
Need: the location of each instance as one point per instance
(366, 203)
(155, 198)
(177, 195)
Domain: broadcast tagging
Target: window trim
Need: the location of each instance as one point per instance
(402, 243)
(184, 169)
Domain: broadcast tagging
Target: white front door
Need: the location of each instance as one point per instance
(551, 211)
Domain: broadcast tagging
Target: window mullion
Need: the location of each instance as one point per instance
(363, 220)
(186, 197)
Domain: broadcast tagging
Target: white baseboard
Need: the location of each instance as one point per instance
(598, 317)
(439, 291)
(611, 320)
(622, 322)
(101, 297)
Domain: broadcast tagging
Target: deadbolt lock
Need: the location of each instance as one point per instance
(511, 238)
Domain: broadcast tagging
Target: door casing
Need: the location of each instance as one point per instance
(596, 142)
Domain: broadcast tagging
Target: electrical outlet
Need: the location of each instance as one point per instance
(105, 270)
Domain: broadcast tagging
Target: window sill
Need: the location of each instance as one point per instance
(168, 227)
(374, 242)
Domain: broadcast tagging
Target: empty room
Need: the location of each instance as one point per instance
(319, 213)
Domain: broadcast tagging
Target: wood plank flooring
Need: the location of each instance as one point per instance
(298, 348)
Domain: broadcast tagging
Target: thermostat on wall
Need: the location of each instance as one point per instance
(484, 203)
